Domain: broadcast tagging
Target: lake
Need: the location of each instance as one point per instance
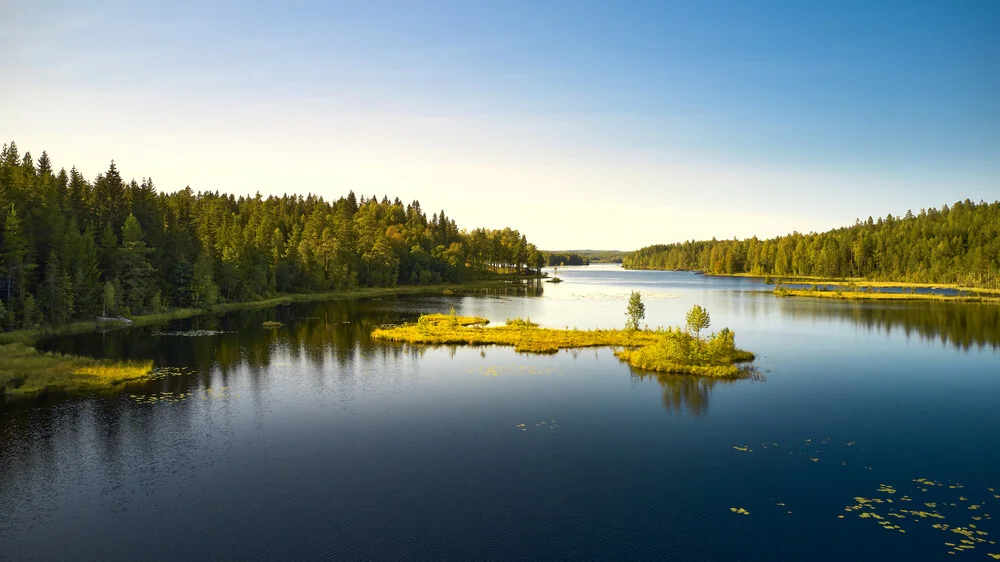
(875, 435)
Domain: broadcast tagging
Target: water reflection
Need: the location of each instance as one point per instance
(961, 325)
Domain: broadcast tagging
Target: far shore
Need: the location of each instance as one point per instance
(28, 337)
(25, 372)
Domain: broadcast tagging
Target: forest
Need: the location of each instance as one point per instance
(959, 244)
(75, 249)
(565, 258)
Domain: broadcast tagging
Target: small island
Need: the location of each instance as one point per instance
(666, 350)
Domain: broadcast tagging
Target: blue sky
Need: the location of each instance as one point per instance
(582, 124)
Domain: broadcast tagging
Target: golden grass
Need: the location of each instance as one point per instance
(654, 350)
(24, 371)
(884, 296)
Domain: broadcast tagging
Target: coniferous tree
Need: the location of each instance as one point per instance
(80, 248)
(56, 292)
(13, 250)
(135, 267)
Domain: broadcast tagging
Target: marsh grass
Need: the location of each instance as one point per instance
(669, 351)
(25, 371)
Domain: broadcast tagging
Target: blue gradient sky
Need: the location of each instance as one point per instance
(583, 124)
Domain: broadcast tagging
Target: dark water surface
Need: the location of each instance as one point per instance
(312, 441)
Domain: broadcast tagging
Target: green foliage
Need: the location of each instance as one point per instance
(31, 315)
(111, 246)
(958, 244)
(203, 290)
(13, 251)
(635, 312)
(56, 292)
(697, 320)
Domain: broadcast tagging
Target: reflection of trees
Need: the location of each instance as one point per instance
(684, 393)
(962, 325)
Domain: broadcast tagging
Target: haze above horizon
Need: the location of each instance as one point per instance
(581, 124)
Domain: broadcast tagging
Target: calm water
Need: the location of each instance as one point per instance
(313, 441)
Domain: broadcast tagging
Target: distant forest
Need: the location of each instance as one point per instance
(557, 259)
(583, 257)
(72, 248)
(956, 244)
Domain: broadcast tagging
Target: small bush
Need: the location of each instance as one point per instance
(521, 323)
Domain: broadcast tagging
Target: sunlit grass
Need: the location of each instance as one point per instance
(669, 351)
(24, 371)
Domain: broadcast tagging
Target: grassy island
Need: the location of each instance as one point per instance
(671, 350)
(25, 371)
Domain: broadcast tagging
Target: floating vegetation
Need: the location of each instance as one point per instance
(936, 515)
(544, 424)
(170, 397)
(160, 397)
(744, 449)
(522, 370)
(669, 350)
(192, 333)
(160, 373)
(963, 518)
(739, 510)
(272, 324)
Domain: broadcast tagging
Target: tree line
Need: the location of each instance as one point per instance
(557, 259)
(956, 244)
(72, 248)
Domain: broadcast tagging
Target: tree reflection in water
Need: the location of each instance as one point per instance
(687, 394)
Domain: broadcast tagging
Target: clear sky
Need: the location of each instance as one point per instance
(607, 125)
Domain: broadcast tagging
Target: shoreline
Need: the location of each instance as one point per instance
(28, 337)
(27, 373)
(884, 296)
(850, 283)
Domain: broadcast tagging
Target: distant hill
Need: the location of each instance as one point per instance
(957, 244)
